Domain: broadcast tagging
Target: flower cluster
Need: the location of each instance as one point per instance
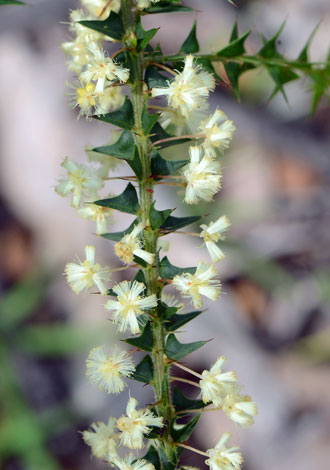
(129, 430)
(222, 390)
(96, 90)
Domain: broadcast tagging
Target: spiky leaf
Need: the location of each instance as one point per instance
(127, 201)
(174, 223)
(160, 166)
(148, 121)
(143, 36)
(168, 271)
(153, 78)
(190, 45)
(178, 320)
(183, 403)
(145, 341)
(235, 47)
(111, 27)
(124, 148)
(144, 371)
(123, 117)
(152, 457)
(177, 351)
(11, 2)
(157, 218)
(167, 7)
(116, 236)
(182, 432)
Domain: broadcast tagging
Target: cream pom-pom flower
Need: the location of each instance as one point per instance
(81, 181)
(202, 175)
(131, 463)
(216, 384)
(212, 233)
(136, 424)
(222, 457)
(100, 215)
(102, 438)
(189, 89)
(200, 283)
(106, 368)
(130, 304)
(102, 69)
(240, 409)
(131, 244)
(87, 273)
(218, 132)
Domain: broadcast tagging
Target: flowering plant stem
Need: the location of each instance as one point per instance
(161, 369)
(154, 318)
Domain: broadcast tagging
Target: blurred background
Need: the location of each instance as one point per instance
(272, 322)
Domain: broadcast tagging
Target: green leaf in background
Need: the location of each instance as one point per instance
(112, 26)
(20, 302)
(160, 166)
(124, 148)
(178, 320)
(168, 271)
(144, 371)
(148, 121)
(127, 201)
(143, 36)
(181, 432)
(167, 7)
(123, 117)
(185, 404)
(145, 341)
(11, 2)
(190, 45)
(116, 236)
(157, 218)
(235, 47)
(176, 351)
(152, 457)
(174, 223)
(53, 340)
(153, 78)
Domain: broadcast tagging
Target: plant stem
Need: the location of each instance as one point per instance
(150, 236)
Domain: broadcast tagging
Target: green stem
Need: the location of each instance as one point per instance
(150, 236)
(255, 60)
